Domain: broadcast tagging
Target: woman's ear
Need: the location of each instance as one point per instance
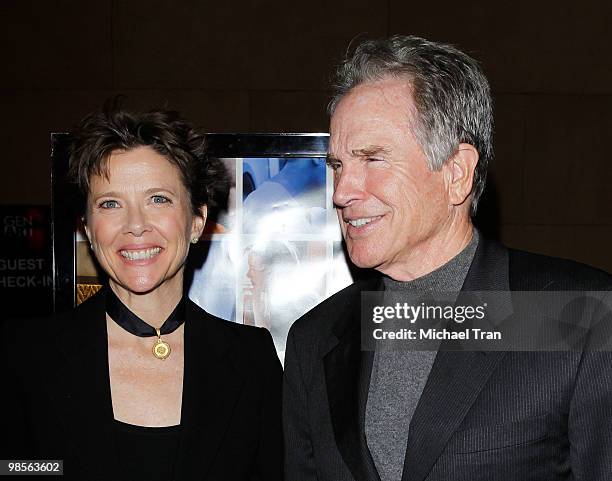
(198, 222)
(86, 229)
(460, 173)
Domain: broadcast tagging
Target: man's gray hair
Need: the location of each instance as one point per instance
(451, 95)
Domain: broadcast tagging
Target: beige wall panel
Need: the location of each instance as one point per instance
(568, 172)
(221, 45)
(296, 45)
(187, 44)
(30, 117)
(289, 111)
(210, 110)
(55, 44)
(587, 244)
(525, 46)
(503, 202)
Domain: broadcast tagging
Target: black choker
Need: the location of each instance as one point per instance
(133, 324)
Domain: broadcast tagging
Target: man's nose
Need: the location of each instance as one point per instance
(348, 185)
(136, 221)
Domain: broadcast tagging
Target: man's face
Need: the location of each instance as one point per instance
(391, 207)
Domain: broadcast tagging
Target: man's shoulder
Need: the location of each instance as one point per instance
(530, 271)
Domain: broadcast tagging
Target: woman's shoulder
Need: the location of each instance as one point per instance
(250, 349)
(39, 327)
(43, 334)
(249, 337)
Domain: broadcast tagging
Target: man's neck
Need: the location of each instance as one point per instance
(429, 256)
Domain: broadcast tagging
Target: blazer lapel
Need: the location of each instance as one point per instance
(455, 381)
(211, 387)
(84, 395)
(456, 377)
(347, 377)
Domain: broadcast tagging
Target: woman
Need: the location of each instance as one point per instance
(138, 382)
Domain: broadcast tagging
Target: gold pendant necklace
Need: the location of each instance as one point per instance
(133, 324)
(161, 349)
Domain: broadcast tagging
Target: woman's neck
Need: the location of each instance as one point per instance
(153, 307)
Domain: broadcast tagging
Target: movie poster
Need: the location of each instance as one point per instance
(276, 251)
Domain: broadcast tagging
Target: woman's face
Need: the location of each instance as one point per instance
(140, 221)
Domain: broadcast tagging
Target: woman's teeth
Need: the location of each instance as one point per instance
(140, 255)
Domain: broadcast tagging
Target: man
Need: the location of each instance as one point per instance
(410, 143)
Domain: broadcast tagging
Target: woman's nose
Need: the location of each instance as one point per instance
(136, 222)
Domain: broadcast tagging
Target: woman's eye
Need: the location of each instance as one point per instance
(160, 199)
(109, 204)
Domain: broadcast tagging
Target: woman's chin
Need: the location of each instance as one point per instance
(138, 286)
(148, 280)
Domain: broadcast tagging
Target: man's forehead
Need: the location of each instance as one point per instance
(368, 134)
(384, 93)
(371, 108)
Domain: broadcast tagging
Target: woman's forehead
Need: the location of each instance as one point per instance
(140, 167)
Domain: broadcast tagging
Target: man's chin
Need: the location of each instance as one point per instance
(364, 260)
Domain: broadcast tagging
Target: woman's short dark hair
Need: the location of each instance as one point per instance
(102, 132)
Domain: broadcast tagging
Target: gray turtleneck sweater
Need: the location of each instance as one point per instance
(398, 377)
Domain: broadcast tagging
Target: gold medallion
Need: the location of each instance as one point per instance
(161, 349)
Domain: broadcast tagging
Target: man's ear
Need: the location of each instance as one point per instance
(459, 173)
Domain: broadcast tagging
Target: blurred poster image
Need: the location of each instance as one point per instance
(213, 265)
(284, 196)
(213, 262)
(283, 281)
(273, 249)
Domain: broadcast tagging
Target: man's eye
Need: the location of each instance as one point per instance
(109, 204)
(333, 164)
(160, 199)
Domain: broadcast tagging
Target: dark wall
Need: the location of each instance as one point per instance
(264, 65)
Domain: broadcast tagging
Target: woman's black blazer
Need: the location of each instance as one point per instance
(56, 400)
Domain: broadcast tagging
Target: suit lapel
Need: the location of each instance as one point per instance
(456, 377)
(211, 387)
(347, 377)
(455, 381)
(84, 396)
